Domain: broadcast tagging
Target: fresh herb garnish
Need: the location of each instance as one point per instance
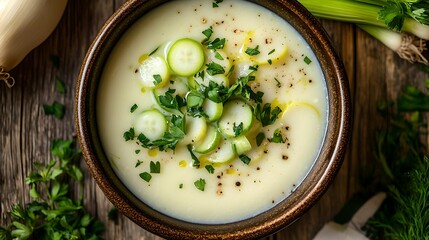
(196, 162)
(157, 78)
(57, 109)
(129, 135)
(252, 51)
(181, 185)
(155, 167)
(216, 44)
(137, 151)
(194, 103)
(218, 56)
(209, 169)
(138, 163)
(133, 108)
(214, 69)
(238, 129)
(260, 138)
(113, 214)
(200, 184)
(208, 33)
(277, 136)
(270, 61)
(154, 51)
(245, 159)
(145, 176)
(176, 131)
(265, 115)
(54, 214)
(216, 2)
(307, 60)
(171, 101)
(60, 87)
(272, 51)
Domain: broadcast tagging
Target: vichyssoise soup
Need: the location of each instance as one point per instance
(211, 112)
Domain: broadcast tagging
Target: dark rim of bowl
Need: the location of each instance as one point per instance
(286, 212)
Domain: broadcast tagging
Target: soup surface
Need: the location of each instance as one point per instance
(240, 153)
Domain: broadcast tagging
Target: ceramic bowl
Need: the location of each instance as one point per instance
(283, 214)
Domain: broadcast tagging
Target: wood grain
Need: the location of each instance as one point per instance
(375, 74)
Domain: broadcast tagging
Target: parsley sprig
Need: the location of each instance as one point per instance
(53, 213)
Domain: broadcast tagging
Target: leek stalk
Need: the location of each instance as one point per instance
(360, 13)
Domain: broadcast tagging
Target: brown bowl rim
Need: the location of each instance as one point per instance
(261, 225)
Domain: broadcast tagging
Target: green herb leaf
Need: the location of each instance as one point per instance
(279, 85)
(145, 176)
(216, 2)
(129, 135)
(252, 51)
(133, 108)
(277, 136)
(393, 14)
(260, 138)
(216, 44)
(60, 87)
(138, 163)
(154, 51)
(181, 185)
(200, 184)
(158, 79)
(218, 56)
(245, 159)
(56, 109)
(272, 51)
(208, 33)
(155, 167)
(209, 169)
(307, 60)
(196, 162)
(168, 100)
(238, 129)
(214, 69)
(265, 115)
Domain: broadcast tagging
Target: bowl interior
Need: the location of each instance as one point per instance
(283, 214)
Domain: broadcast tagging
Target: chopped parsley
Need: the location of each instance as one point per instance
(216, 44)
(272, 51)
(154, 51)
(214, 69)
(218, 56)
(171, 101)
(155, 167)
(181, 185)
(277, 136)
(57, 109)
(216, 3)
(157, 78)
(252, 51)
(137, 151)
(138, 163)
(307, 60)
(265, 115)
(145, 176)
(200, 184)
(238, 129)
(208, 33)
(129, 135)
(245, 159)
(196, 162)
(60, 87)
(209, 169)
(260, 138)
(270, 61)
(133, 108)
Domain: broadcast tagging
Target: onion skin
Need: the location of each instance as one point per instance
(25, 24)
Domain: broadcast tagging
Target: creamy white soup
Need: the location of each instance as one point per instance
(211, 114)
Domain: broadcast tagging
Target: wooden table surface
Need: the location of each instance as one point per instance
(375, 74)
